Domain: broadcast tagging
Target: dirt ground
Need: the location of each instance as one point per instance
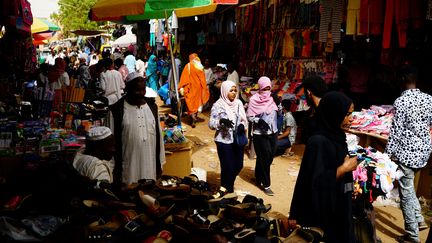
(389, 220)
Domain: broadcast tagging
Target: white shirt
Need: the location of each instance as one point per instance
(139, 144)
(112, 83)
(140, 67)
(92, 167)
(410, 138)
(152, 24)
(130, 63)
(51, 59)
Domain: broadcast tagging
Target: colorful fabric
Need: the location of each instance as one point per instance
(194, 84)
(331, 15)
(151, 73)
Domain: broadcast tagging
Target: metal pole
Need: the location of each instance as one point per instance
(174, 71)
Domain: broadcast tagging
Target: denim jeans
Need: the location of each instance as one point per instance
(282, 145)
(409, 203)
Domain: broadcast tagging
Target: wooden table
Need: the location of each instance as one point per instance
(373, 140)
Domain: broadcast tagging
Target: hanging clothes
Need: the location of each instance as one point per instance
(288, 44)
(371, 17)
(397, 10)
(331, 19)
(152, 24)
(353, 17)
(406, 14)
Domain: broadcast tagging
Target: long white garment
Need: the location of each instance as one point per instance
(93, 167)
(112, 83)
(140, 67)
(139, 144)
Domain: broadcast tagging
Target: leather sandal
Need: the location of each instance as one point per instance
(222, 193)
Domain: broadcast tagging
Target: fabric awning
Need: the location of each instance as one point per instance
(43, 25)
(105, 9)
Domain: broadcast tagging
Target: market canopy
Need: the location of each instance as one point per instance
(43, 25)
(152, 9)
(125, 40)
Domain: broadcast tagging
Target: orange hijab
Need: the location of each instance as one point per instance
(194, 84)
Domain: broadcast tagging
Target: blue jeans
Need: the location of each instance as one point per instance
(282, 145)
(409, 203)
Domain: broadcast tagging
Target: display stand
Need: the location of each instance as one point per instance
(178, 159)
(370, 139)
(423, 178)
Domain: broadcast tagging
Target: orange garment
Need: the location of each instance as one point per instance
(194, 84)
(288, 44)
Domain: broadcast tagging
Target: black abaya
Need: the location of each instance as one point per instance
(320, 200)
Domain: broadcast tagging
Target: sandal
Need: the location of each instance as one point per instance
(289, 154)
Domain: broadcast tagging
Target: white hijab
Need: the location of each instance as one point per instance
(231, 107)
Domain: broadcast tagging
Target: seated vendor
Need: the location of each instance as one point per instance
(288, 131)
(95, 160)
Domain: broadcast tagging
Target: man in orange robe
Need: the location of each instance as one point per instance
(193, 87)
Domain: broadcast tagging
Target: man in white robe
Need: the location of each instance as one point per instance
(111, 82)
(95, 160)
(139, 142)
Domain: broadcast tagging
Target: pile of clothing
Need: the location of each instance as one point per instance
(374, 175)
(376, 119)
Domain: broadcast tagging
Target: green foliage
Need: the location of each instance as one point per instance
(73, 15)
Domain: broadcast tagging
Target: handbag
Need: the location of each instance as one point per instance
(239, 136)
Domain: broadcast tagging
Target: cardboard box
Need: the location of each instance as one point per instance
(178, 159)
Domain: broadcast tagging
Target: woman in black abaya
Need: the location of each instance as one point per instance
(322, 195)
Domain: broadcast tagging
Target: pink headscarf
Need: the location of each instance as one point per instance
(262, 101)
(231, 107)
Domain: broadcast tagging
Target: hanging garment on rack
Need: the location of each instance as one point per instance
(353, 17)
(288, 44)
(407, 14)
(307, 47)
(397, 10)
(331, 16)
(371, 17)
(429, 10)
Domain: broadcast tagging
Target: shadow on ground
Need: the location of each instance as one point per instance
(385, 221)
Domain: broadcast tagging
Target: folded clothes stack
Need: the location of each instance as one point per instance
(376, 120)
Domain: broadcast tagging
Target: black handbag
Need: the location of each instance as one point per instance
(239, 135)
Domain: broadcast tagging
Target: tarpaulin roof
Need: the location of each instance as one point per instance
(43, 25)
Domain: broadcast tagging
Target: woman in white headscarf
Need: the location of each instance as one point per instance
(227, 114)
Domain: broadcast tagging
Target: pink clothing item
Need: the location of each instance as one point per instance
(231, 106)
(262, 101)
(124, 72)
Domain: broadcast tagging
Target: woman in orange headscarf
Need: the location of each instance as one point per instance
(193, 86)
